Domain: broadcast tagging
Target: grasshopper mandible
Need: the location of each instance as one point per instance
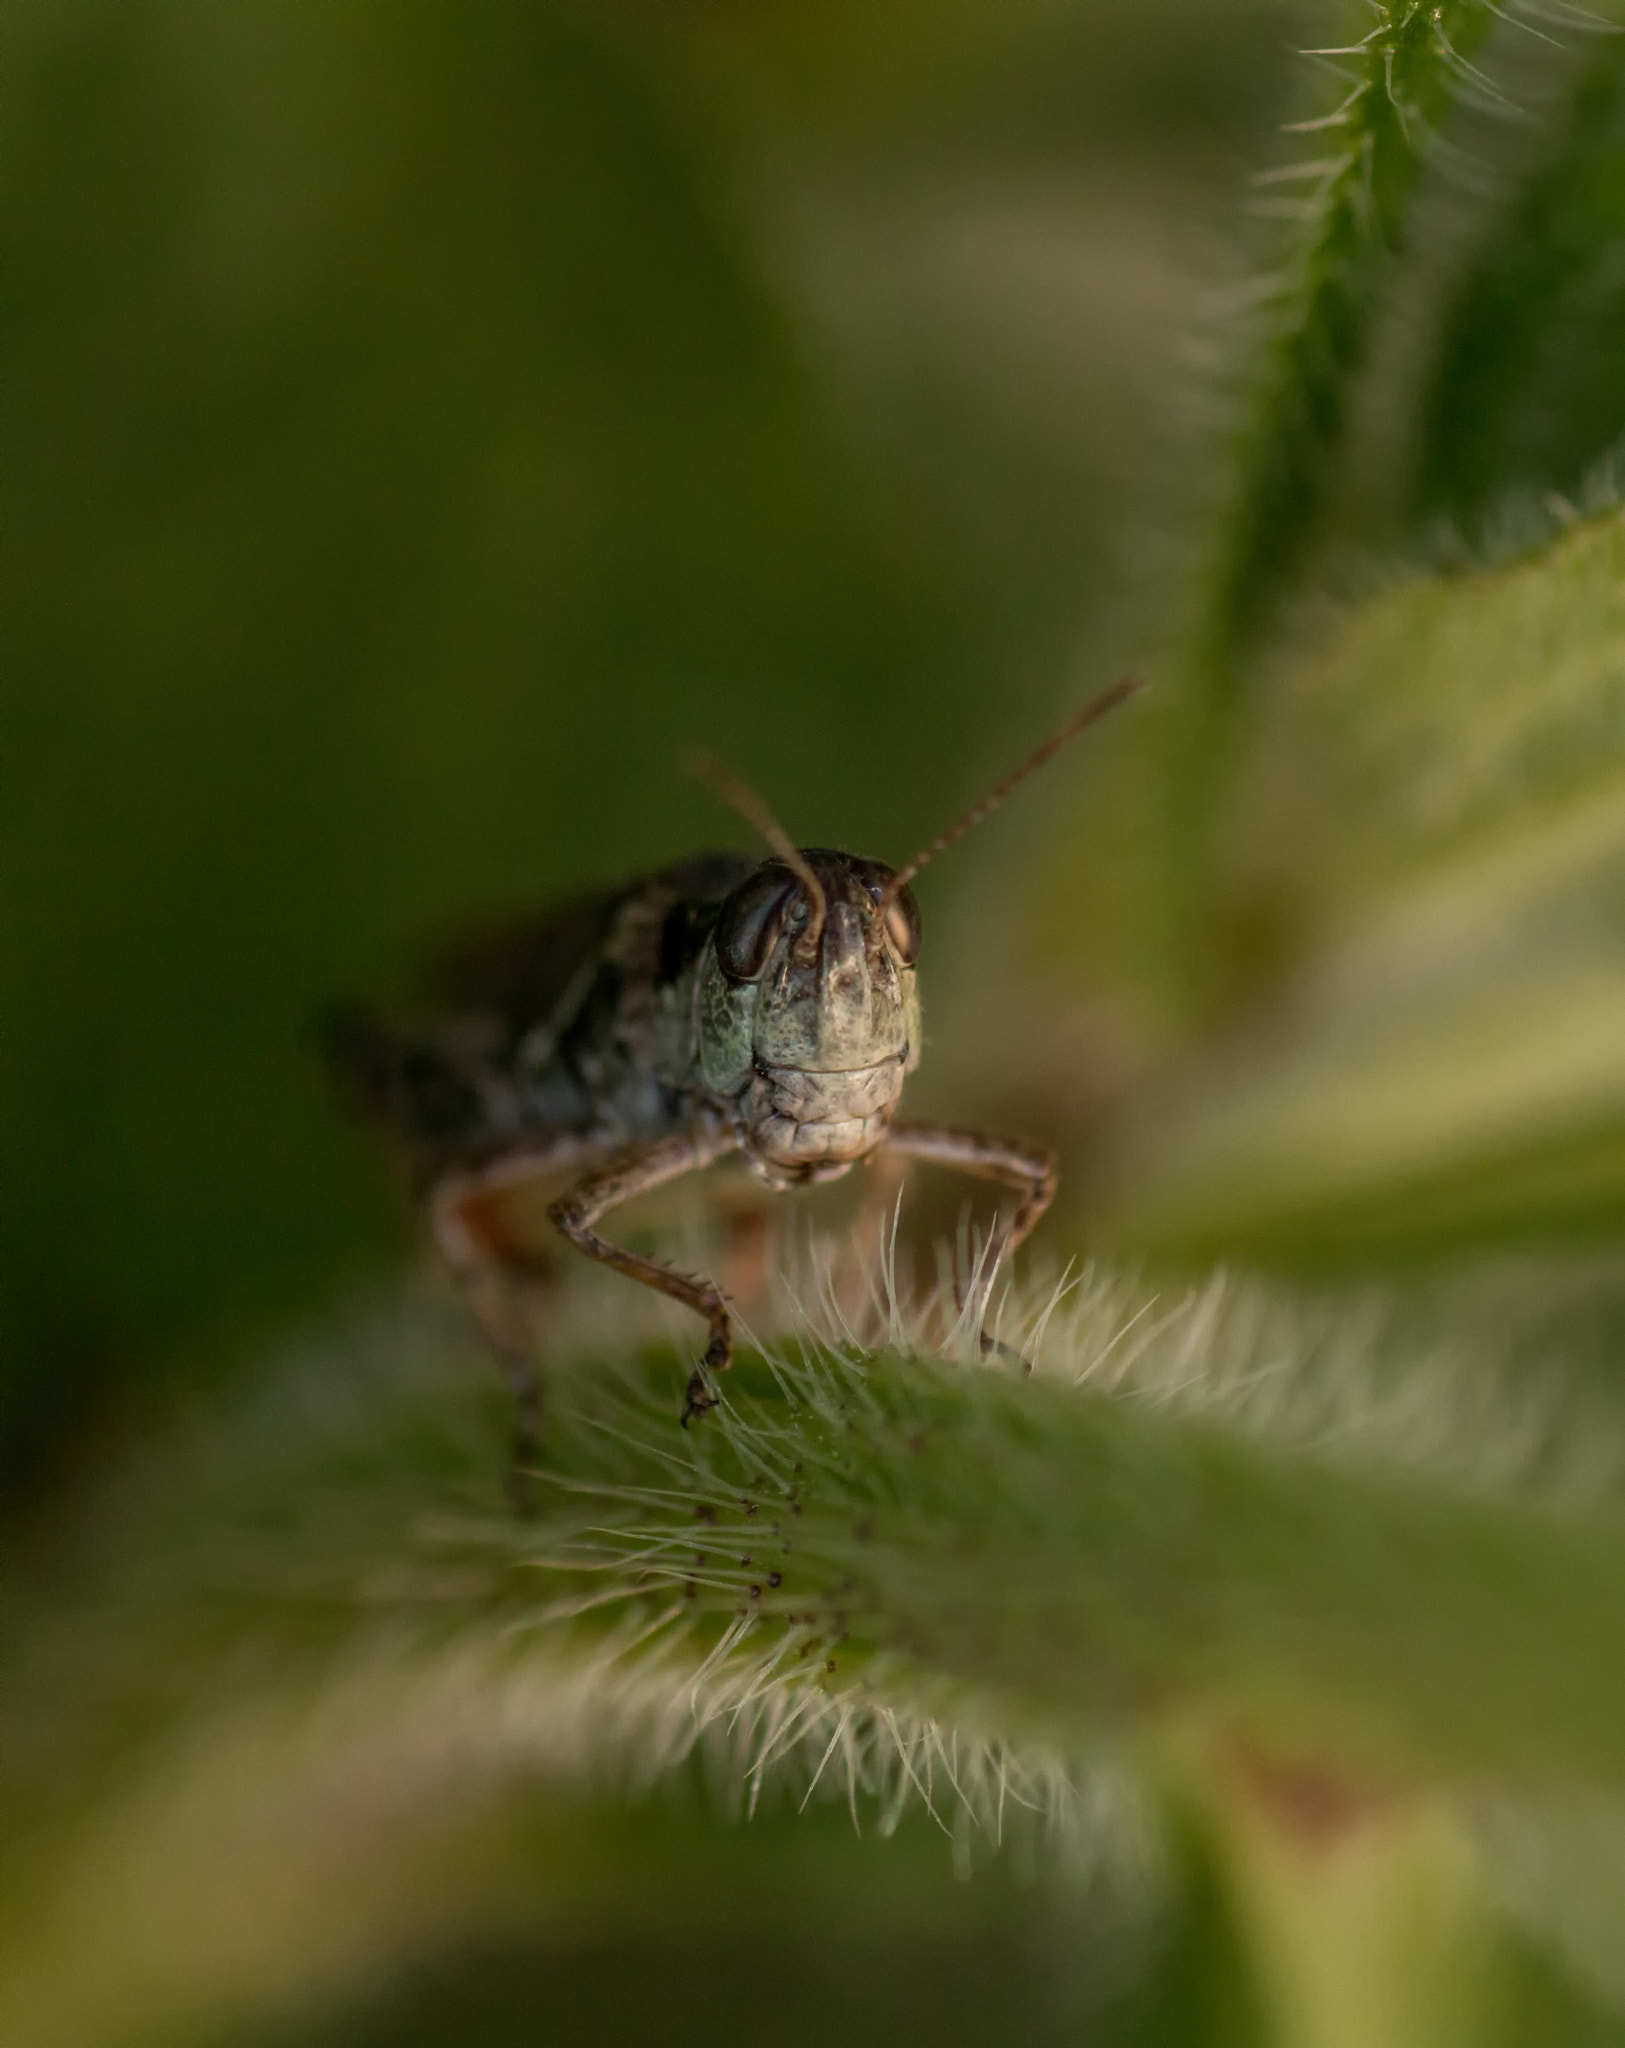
(631, 1035)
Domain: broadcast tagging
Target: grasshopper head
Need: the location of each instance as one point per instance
(809, 1017)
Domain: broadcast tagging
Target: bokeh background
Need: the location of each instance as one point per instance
(423, 421)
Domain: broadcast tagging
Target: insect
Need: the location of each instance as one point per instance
(631, 1035)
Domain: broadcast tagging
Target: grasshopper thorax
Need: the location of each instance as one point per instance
(808, 1014)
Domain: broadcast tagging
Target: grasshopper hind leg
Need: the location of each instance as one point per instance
(508, 1286)
(524, 1384)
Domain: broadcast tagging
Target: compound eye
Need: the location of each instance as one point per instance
(750, 921)
(903, 926)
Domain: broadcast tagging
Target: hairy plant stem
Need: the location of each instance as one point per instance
(890, 1580)
(1348, 207)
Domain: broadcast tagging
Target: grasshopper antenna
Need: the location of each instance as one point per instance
(720, 779)
(1096, 708)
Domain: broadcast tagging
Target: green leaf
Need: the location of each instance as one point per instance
(1317, 311)
(1434, 812)
(1525, 386)
(1398, 83)
(893, 1580)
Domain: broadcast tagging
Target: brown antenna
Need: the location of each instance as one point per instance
(1097, 707)
(739, 796)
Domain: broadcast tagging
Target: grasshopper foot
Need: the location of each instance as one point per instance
(989, 1345)
(698, 1398)
(995, 1347)
(701, 1396)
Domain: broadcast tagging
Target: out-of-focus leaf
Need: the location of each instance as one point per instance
(1346, 199)
(1526, 388)
(301, 1685)
(1347, 195)
(1433, 825)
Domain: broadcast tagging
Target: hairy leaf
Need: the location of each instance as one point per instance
(1435, 815)
(1526, 390)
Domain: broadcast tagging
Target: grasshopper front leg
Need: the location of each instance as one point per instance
(636, 1173)
(1029, 1169)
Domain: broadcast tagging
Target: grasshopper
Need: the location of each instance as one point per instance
(630, 1035)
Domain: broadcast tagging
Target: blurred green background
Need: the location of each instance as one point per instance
(422, 421)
